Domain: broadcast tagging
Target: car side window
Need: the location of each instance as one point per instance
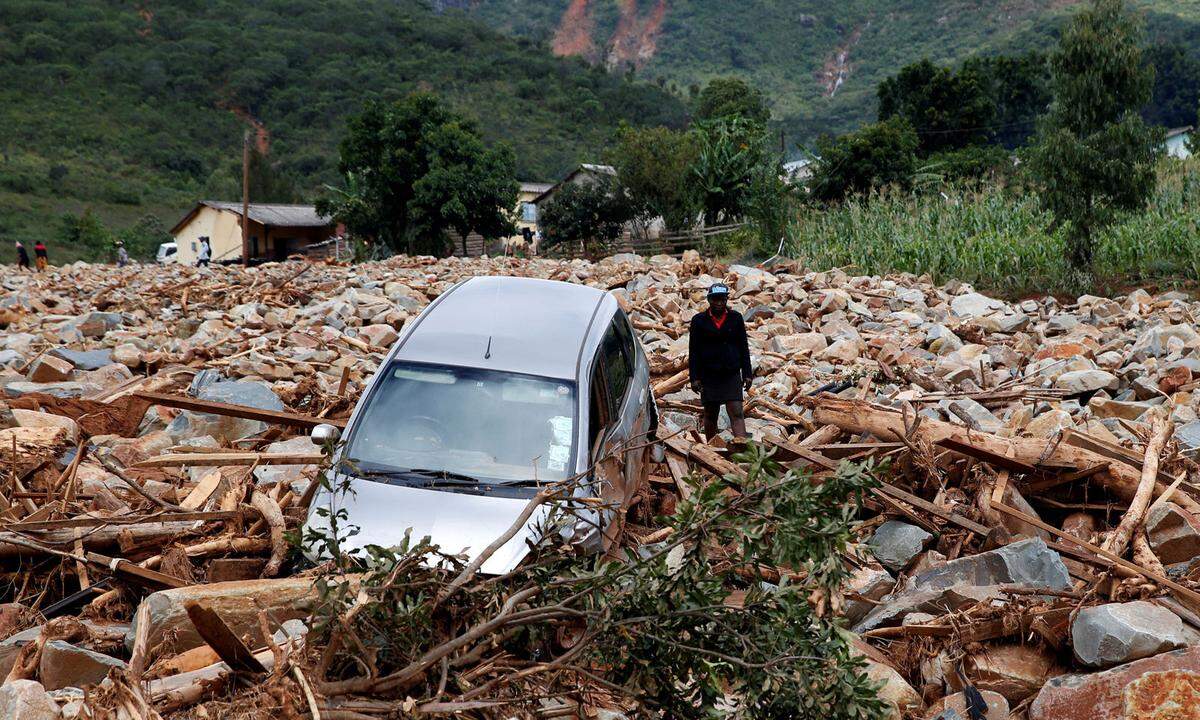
(625, 332)
(599, 413)
(618, 365)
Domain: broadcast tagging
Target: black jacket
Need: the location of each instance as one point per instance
(716, 354)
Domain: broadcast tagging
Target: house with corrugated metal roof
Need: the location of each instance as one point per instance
(276, 231)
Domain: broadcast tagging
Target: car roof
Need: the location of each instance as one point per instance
(512, 324)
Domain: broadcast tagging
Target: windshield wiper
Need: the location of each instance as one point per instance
(437, 478)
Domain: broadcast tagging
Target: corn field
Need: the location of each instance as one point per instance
(1002, 241)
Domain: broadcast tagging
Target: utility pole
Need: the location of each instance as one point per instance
(246, 199)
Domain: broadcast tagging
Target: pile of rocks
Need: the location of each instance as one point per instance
(957, 581)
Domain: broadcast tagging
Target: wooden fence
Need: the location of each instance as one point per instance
(673, 244)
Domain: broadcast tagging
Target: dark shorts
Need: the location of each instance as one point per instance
(721, 390)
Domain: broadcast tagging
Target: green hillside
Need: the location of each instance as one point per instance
(139, 108)
(794, 50)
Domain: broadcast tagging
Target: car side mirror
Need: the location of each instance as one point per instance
(324, 434)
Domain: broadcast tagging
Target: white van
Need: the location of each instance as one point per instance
(168, 252)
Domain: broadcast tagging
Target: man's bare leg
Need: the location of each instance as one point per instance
(737, 418)
(712, 414)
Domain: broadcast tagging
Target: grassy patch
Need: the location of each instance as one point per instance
(1002, 241)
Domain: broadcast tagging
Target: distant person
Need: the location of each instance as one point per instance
(22, 256)
(719, 362)
(122, 256)
(205, 255)
(42, 259)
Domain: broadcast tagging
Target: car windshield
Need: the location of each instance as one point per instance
(495, 427)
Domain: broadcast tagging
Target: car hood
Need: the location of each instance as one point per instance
(454, 521)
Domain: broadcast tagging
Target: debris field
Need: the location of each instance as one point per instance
(1035, 537)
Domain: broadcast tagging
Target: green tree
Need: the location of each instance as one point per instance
(86, 231)
(948, 109)
(878, 155)
(653, 166)
(1095, 155)
(420, 170)
(729, 154)
(144, 236)
(1176, 85)
(730, 97)
(586, 213)
(270, 182)
(468, 187)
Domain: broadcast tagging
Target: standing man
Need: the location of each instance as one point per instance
(122, 255)
(719, 362)
(22, 257)
(205, 254)
(40, 257)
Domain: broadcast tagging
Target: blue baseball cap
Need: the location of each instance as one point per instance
(718, 289)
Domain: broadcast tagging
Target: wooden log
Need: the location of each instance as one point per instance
(888, 424)
(1118, 541)
(671, 384)
(222, 640)
(245, 412)
(16, 544)
(223, 459)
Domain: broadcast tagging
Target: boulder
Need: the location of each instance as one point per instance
(238, 604)
(1173, 532)
(870, 583)
(955, 705)
(48, 369)
(973, 305)
(801, 343)
(1116, 633)
(1163, 687)
(84, 360)
(1188, 437)
(33, 418)
(381, 336)
(895, 544)
(973, 578)
(1104, 408)
(26, 700)
(65, 665)
(67, 389)
(1049, 423)
(1015, 671)
(1082, 381)
(297, 475)
(226, 429)
(976, 416)
(901, 699)
(127, 354)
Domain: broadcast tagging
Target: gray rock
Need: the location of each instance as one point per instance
(1174, 533)
(973, 305)
(870, 583)
(84, 360)
(1107, 635)
(1061, 324)
(26, 700)
(1081, 381)
(69, 389)
(1188, 437)
(95, 324)
(296, 475)
(759, 311)
(10, 357)
(895, 544)
(65, 665)
(975, 415)
(226, 429)
(1029, 563)
(1155, 341)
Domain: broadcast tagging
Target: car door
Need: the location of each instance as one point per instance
(610, 425)
(635, 412)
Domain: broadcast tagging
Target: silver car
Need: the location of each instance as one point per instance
(501, 386)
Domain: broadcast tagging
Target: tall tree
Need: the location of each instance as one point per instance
(417, 170)
(729, 152)
(730, 97)
(875, 156)
(653, 166)
(1176, 85)
(948, 109)
(1095, 156)
(583, 213)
